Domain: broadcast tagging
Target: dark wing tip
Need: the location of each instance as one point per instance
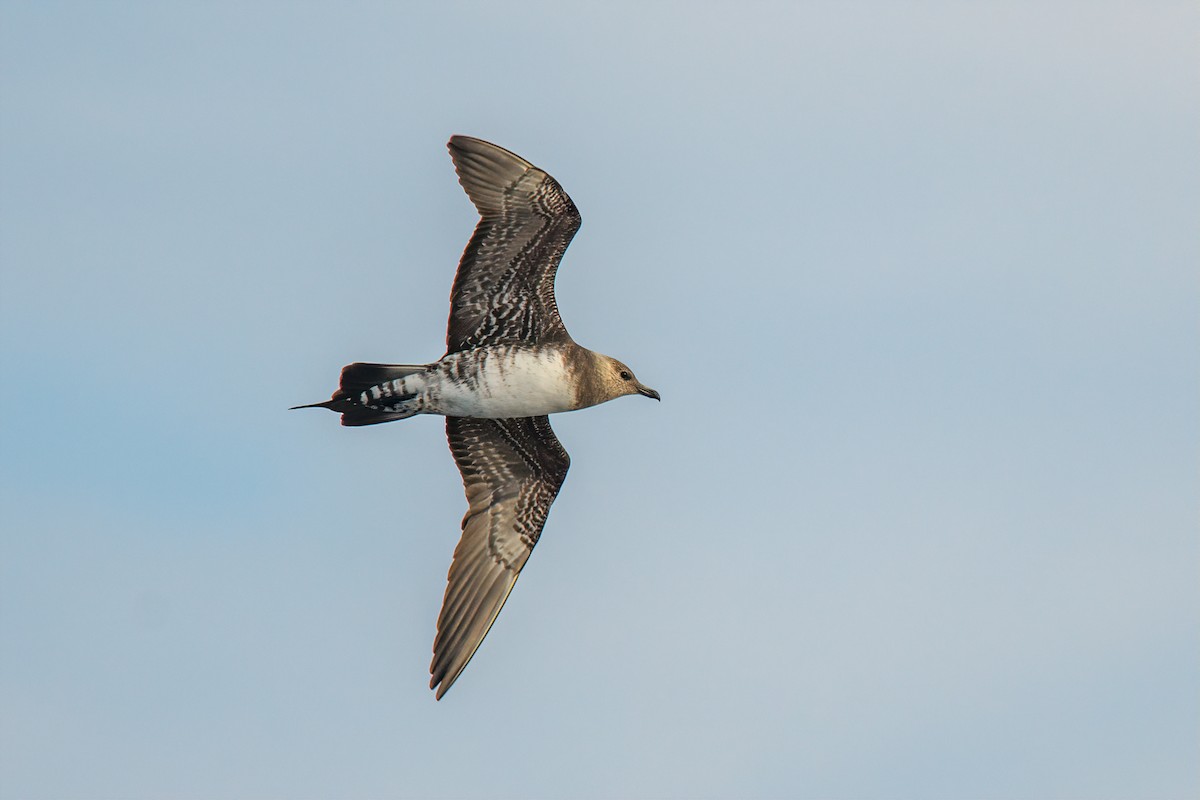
(488, 172)
(461, 146)
(466, 618)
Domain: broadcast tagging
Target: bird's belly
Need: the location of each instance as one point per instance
(504, 384)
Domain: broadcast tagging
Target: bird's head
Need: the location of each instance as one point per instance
(619, 380)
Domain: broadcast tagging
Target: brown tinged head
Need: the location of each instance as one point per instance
(619, 381)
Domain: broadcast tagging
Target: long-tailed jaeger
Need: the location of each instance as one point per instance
(509, 363)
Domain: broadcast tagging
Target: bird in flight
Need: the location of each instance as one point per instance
(509, 363)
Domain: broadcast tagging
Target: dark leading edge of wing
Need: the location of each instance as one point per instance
(512, 470)
(504, 289)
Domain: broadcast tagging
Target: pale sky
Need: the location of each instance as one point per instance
(916, 518)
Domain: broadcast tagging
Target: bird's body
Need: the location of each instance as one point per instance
(491, 382)
(509, 363)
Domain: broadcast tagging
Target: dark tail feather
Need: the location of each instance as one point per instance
(330, 404)
(356, 379)
(356, 416)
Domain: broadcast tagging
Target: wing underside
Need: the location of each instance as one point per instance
(512, 470)
(504, 288)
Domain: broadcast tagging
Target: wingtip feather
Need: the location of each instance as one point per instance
(487, 172)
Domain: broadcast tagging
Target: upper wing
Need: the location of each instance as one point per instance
(512, 470)
(504, 289)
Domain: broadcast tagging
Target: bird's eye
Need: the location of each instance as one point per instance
(625, 376)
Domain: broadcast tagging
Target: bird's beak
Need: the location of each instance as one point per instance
(646, 391)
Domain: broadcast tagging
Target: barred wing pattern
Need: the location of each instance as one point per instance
(512, 470)
(504, 289)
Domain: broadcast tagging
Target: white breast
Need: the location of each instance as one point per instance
(501, 382)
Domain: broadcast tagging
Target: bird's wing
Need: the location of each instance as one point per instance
(504, 289)
(512, 470)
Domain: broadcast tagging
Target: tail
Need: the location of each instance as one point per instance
(376, 382)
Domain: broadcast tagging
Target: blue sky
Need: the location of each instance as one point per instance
(917, 517)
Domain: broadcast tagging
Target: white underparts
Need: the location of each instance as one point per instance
(502, 382)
